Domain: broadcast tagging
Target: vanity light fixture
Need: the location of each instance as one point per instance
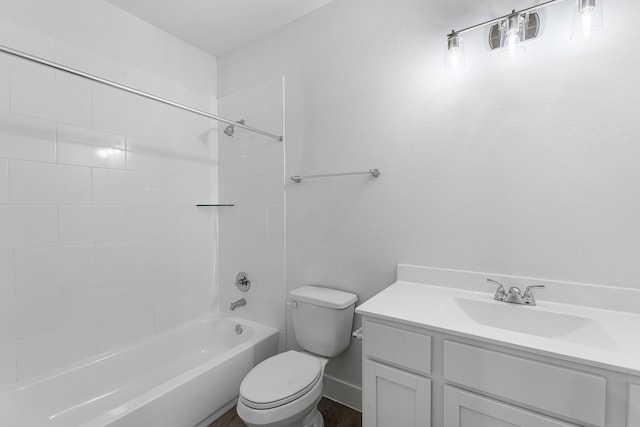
(587, 17)
(455, 51)
(509, 32)
(512, 34)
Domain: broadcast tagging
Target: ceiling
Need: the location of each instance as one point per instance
(218, 26)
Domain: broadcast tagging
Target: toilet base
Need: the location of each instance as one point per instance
(307, 417)
(314, 419)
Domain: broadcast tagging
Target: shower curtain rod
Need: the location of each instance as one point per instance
(128, 89)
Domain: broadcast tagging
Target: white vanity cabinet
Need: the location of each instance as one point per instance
(395, 388)
(633, 416)
(414, 376)
(392, 397)
(465, 409)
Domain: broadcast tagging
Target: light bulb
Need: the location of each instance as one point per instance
(512, 42)
(455, 52)
(453, 57)
(587, 21)
(587, 17)
(512, 29)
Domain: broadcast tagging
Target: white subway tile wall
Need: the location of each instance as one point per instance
(4, 181)
(27, 138)
(37, 182)
(151, 156)
(92, 224)
(89, 147)
(115, 259)
(40, 96)
(6, 273)
(101, 243)
(114, 187)
(53, 267)
(120, 113)
(7, 363)
(62, 346)
(28, 314)
(25, 226)
(125, 327)
(252, 233)
(5, 88)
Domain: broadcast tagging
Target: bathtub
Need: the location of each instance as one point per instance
(187, 376)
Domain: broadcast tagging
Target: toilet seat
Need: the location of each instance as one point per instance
(280, 379)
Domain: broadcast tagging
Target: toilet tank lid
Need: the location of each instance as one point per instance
(324, 297)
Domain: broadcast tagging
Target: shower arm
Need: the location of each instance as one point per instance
(131, 90)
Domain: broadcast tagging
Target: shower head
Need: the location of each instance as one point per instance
(231, 128)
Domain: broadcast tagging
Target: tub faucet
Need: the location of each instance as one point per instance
(240, 303)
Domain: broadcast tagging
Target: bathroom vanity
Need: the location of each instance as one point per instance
(437, 355)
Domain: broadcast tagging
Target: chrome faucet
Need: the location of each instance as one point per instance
(515, 296)
(527, 297)
(240, 303)
(500, 294)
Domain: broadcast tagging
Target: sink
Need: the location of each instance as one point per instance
(532, 321)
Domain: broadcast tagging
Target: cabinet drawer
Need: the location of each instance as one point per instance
(398, 347)
(572, 394)
(464, 409)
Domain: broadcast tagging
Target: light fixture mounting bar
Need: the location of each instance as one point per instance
(495, 20)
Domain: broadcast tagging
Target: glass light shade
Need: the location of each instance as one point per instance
(454, 56)
(512, 34)
(587, 18)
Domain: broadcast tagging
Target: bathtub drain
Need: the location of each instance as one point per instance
(238, 329)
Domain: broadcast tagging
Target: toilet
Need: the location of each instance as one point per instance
(284, 390)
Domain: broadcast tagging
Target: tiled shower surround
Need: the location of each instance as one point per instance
(100, 240)
(251, 169)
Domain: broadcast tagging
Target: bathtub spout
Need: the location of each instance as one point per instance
(240, 303)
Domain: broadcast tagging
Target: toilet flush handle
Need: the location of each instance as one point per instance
(357, 334)
(292, 304)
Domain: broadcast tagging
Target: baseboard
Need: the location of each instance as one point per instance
(343, 392)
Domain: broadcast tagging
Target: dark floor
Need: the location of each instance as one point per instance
(335, 415)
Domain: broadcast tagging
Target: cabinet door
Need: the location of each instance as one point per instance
(633, 412)
(464, 409)
(392, 397)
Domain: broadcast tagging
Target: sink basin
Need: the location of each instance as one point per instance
(531, 321)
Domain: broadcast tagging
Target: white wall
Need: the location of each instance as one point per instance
(100, 240)
(525, 167)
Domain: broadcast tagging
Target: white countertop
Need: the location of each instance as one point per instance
(615, 346)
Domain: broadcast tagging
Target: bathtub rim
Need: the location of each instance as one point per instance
(105, 418)
(29, 382)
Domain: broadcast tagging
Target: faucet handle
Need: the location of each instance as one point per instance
(527, 297)
(242, 281)
(500, 294)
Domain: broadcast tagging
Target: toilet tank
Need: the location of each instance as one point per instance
(322, 319)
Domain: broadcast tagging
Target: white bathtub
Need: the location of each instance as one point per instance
(186, 376)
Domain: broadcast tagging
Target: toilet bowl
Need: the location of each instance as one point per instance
(284, 390)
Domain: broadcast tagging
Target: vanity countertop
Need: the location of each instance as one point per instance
(597, 337)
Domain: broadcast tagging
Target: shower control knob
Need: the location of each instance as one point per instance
(242, 281)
